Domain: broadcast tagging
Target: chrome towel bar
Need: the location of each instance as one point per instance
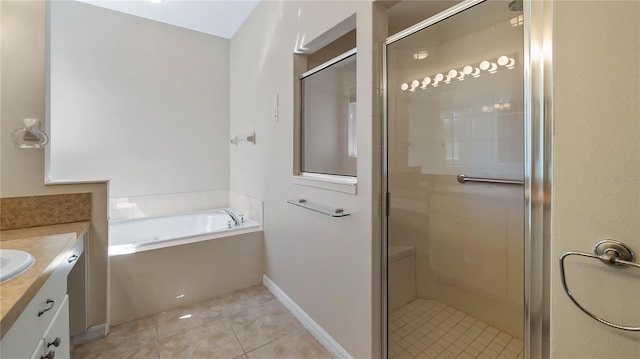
(463, 178)
(613, 253)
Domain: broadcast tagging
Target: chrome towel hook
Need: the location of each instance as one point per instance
(610, 252)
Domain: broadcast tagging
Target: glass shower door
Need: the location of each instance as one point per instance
(455, 234)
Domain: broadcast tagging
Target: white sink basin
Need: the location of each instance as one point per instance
(14, 262)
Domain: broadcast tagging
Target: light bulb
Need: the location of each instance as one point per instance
(493, 68)
(426, 82)
(453, 73)
(439, 77)
(404, 87)
(503, 60)
(447, 79)
(476, 72)
(414, 85)
(511, 63)
(484, 65)
(460, 75)
(421, 55)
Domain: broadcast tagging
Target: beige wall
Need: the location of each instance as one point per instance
(324, 264)
(596, 173)
(22, 73)
(136, 101)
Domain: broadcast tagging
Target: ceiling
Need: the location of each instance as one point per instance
(216, 17)
(224, 17)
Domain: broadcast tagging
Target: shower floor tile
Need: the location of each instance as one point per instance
(428, 329)
(249, 323)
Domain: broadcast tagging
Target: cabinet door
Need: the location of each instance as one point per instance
(39, 353)
(56, 337)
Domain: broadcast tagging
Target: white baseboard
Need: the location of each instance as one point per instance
(93, 333)
(316, 330)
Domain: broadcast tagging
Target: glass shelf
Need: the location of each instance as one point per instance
(332, 212)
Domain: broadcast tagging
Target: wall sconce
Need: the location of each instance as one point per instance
(30, 136)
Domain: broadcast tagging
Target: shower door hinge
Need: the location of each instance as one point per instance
(387, 199)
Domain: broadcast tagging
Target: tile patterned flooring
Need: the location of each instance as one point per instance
(246, 324)
(428, 329)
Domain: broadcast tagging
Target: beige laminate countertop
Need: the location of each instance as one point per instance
(49, 245)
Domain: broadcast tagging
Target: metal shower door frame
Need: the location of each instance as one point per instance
(538, 131)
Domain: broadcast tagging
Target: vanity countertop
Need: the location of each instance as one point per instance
(49, 245)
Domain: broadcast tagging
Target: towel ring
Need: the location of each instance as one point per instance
(29, 138)
(613, 253)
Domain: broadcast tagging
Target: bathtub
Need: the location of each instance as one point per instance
(142, 234)
(161, 263)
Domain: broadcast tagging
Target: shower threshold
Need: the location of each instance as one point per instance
(429, 329)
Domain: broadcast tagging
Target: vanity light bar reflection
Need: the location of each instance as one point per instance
(473, 71)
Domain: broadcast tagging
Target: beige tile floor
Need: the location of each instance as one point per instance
(428, 329)
(247, 324)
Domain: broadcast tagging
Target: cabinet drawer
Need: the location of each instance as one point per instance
(56, 338)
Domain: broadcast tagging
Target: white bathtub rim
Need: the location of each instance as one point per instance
(248, 226)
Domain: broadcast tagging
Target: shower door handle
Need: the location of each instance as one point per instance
(463, 178)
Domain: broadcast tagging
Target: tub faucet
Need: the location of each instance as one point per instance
(236, 221)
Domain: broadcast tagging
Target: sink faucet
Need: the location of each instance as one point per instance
(236, 221)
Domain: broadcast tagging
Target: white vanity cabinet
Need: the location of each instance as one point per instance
(43, 326)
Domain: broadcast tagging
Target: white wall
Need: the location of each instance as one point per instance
(596, 168)
(326, 265)
(139, 102)
(22, 171)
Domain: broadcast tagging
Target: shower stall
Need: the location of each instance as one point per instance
(455, 230)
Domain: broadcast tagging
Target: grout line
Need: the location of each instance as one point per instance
(155, 319)
(265, 344)
(238, 339)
